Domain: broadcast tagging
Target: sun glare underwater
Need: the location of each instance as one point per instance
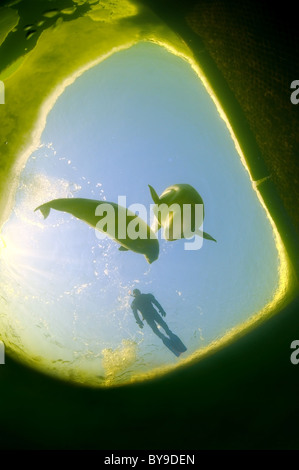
(141, 117)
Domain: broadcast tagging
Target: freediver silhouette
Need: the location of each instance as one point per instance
(145, 304)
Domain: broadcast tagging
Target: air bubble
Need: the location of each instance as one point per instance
(30, 33)
(28, 27)
(51, 13)
(68, 11)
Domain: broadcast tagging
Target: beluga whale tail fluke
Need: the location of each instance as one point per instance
(205, 235)
(45, 210)
(111, 219)
(169, 211)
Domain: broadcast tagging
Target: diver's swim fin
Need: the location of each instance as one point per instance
(168, 343)
(174, 344)
(177, 343)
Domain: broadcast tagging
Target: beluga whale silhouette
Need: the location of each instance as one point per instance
(111, 219)
(170, 208)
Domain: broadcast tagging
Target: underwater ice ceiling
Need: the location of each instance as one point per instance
(141, 117)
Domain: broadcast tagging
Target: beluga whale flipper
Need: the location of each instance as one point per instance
(113, 220)
(170, 208)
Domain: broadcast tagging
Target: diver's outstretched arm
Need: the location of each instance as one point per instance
(160, 308)
(138, 321)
